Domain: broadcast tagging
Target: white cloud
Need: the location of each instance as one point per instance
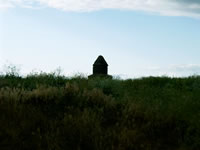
(176, 70)
(5, 5)
(163, 7)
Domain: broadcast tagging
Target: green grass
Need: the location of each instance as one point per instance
(49, 112)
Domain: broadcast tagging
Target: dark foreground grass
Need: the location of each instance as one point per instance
(48, 112)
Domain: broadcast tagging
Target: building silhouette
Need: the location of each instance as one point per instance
(100, 68)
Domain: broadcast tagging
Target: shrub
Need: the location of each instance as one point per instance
(51, 112)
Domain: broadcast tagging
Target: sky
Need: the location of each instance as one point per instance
(136, 37)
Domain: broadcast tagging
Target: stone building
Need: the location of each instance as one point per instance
(100, 68)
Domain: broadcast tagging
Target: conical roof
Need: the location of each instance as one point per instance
(100, 61)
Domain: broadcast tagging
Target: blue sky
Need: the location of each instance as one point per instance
(147, 37)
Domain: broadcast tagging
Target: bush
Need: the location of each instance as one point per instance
(51, 112)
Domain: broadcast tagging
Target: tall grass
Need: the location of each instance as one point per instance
(45, 111)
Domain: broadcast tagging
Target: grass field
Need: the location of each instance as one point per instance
(49, 112)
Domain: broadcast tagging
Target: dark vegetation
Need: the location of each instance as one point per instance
(49, 112)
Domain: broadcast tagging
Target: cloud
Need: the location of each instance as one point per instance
(176, 70)
(163, 7)
(5, 5)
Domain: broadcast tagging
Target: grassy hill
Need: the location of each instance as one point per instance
(49, 112)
